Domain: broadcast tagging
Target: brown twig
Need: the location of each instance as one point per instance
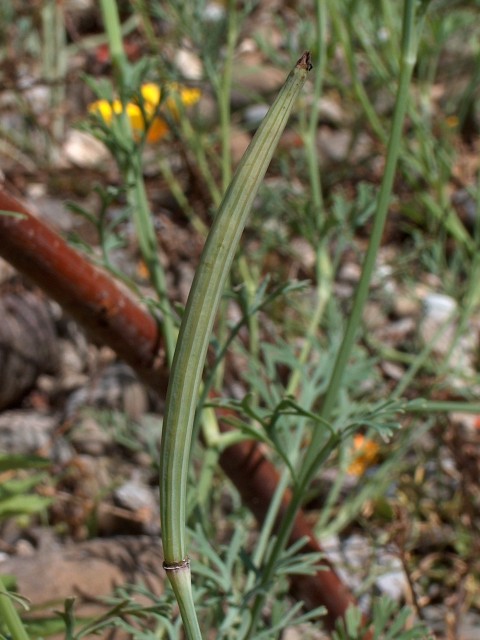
(112, 317)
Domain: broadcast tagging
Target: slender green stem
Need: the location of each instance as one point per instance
(114, 35)
(197, 322)
(180, 578)
(131, 167)
(324, 289)
(222, 84)
(323, 295)
(317, 445)
(311, 134)
(250, 283)
(408, 57)
(142, 9)
(223, 94)
(198, 146)
(10, 617)
(148, 244)
(179, 195)
(360, 93)
(420, 360)
(442, 406)
(280, 543)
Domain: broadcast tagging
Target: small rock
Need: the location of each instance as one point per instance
(135, 495)
(118, 389)
(330, 110)
(28, 345)
(350, 272)
(333, 145)
(469, 421)
(334, 550)
(24, 548)
(304, 632)
(469, 626)
(396, 332)
(255, 113)
(353, 558)
(73, 363)
(437, 322)
(393, 583)
(438, 306)
(140, 500)
(83, 150)
(382, 275)
(357, 551)
(35, 191)
(88, 437)
(51, 209)
(404, 307)
(374, 316)
(48, 577)
(26, 432)
(393, 370)
(190, 64)
(37, 95)
(438, 328)
(304, 252)
(213, 12)
(343, 291)
(253, 76)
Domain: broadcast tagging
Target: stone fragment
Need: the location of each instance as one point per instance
(26, 432)
(83, 150)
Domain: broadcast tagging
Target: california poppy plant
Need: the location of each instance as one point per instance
(145, 117)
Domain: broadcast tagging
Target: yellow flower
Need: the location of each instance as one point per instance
(156, 129)
(151, 95)
(188, 97)
(365, 454)
(105, 109)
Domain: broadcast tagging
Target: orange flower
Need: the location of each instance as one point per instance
(452, 122)
(365, 454)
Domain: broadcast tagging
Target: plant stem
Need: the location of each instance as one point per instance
(317, 445)
(197, 146)
(442, 406)
(223, 94)
(114, 35)
(147, 241)
(9, 615)
(180, 579)
(131, 169)
(346, 41)
(179, 195)
(408, 58)
(197, 322)
(323, 295)
(310, 139)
